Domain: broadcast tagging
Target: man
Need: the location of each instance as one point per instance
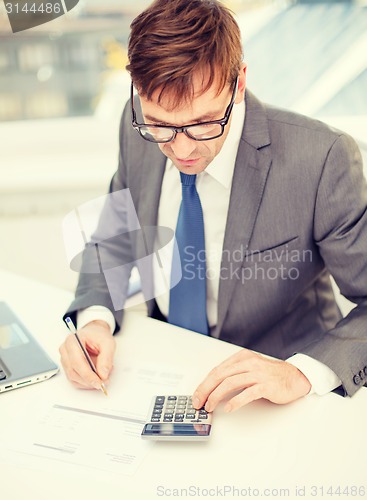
(275, 201)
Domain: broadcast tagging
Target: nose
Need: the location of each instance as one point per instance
(182, 146)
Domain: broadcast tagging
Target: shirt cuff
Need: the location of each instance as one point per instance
(101, 313)
(320, 376)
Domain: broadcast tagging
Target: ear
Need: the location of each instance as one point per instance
(241, 84)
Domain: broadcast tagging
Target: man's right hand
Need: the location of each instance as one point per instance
(100, 344)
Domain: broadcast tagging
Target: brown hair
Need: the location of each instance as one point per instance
(173, 40)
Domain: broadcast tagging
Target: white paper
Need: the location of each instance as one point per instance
(90, 430)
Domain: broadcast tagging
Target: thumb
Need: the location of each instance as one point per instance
(104, 361)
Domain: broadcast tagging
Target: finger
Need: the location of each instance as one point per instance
(245, 397)
(228, 386)
(71, 374)
(77, 361)
(65, 362)
(219, 374)
(92, 348)
(78, 382)
(104, 362)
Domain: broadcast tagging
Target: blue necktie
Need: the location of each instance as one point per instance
(187, 306)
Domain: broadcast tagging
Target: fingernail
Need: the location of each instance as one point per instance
(105, 372)
(196, 402)
(96, 385)
(228, 408)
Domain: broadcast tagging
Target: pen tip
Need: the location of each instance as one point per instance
(104, 390)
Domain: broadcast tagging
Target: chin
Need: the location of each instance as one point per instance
(191, 169)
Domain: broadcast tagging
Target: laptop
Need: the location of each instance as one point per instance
(22, 359)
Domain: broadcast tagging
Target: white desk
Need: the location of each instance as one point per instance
(317, 441)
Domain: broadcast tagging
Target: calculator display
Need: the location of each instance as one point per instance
(177, 429)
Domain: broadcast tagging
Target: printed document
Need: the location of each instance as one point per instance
(90, 430)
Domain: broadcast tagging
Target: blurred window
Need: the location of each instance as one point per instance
(82, 55)
(46, 104)
(4, 60)
(32, 56)
(10, 106)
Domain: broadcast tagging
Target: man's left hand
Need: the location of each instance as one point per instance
(256, 377)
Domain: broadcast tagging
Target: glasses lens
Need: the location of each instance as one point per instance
(204, 132)
(156, 134)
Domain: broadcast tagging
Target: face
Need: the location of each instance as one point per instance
(188, 155)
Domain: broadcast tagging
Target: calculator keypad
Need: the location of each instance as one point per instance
(177, 409)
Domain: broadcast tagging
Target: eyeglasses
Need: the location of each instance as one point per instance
(204, 131)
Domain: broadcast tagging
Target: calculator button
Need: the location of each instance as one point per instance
(176, 410)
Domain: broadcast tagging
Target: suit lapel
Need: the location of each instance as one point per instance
(251, 170)
(150, 185)
(152, 171)
(149, 162)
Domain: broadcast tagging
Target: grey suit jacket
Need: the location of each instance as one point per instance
(298, 212)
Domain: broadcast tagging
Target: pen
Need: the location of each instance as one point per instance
(73, 330)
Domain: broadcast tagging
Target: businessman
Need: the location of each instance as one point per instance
(265, 205)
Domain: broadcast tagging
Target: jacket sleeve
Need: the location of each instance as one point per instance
(340, 230)
(107, 258)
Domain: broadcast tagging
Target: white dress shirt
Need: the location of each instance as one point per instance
(214, 189)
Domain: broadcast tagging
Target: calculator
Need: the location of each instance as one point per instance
(173, 418)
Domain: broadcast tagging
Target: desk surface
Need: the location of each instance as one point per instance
(315, 442)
